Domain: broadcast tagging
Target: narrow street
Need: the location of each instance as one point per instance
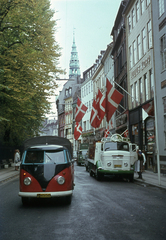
(109, 209)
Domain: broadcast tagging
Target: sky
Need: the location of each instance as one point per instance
(91, 21)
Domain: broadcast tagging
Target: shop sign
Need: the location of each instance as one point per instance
(141, 67)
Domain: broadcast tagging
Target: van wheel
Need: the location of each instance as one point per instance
(68, 199)
(25, 201)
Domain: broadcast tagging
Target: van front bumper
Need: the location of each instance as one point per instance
(45, 194)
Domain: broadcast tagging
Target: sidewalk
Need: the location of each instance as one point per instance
(8, 173)
(149, 177)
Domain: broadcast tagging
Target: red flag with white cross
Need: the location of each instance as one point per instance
(80, 110)
(77, 131)
(94, 118)
(113, 98)
(107, 132)
(100, 102)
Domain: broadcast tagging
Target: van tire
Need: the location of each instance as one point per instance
(68, 199)
(25, 201)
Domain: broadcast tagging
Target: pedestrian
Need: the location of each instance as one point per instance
(17, 159)
(139, 163)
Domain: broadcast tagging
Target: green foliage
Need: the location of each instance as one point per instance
(29, 58)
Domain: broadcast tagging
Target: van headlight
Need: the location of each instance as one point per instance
(61, 180)
(27, 181)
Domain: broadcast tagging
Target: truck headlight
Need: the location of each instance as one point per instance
(27, 181)
(126, 164)
(109, 164)
(61, 180)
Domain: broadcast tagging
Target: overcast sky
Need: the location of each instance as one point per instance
(92, 21)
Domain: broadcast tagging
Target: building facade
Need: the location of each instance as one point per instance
(159, 43)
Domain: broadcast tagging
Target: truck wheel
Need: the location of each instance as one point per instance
(91, 173)
(99, 176)
(131, 177)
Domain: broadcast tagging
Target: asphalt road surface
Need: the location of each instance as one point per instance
(106, 210)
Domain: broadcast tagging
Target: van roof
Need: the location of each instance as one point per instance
(46, 141)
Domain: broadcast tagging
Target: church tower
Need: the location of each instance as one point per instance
(74, 66)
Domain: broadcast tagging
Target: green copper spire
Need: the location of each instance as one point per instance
(74, 66)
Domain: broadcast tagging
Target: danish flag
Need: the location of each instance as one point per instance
(107, 132)
(77, 131)
(126, 133)
(100, 102)
(113, 98)
(94, 118)
(80, 110)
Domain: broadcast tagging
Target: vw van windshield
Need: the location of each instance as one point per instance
(47, 156)
(111, 146)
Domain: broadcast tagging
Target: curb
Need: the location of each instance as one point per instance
(150, 184)
(8, 178)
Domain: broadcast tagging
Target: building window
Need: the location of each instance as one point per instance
(139, 47)
(132, 95)
(133, 18)
(136, 93)
(146, 87)
(151, 83)
(161, 7)
(134, 53)
(143, 41)
(137, 11)
(91, 86)
(84, 125)
(129, 23)
(164, 105)
(147, 2)
(142, 6)
(140, 90)
(149, 34)
(163, 51)
(130, 55)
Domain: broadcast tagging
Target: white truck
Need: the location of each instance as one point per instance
(113, 155)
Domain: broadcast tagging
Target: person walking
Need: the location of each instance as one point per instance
(17, 159)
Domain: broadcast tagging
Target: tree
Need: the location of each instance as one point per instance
(29, 58)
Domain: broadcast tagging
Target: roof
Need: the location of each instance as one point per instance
(46, 141)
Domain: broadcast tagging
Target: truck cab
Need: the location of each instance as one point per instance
(113, 156)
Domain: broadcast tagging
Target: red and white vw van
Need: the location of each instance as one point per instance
(47, 169)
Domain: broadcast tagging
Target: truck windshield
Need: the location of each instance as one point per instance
(83, 152)
(110, 146)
